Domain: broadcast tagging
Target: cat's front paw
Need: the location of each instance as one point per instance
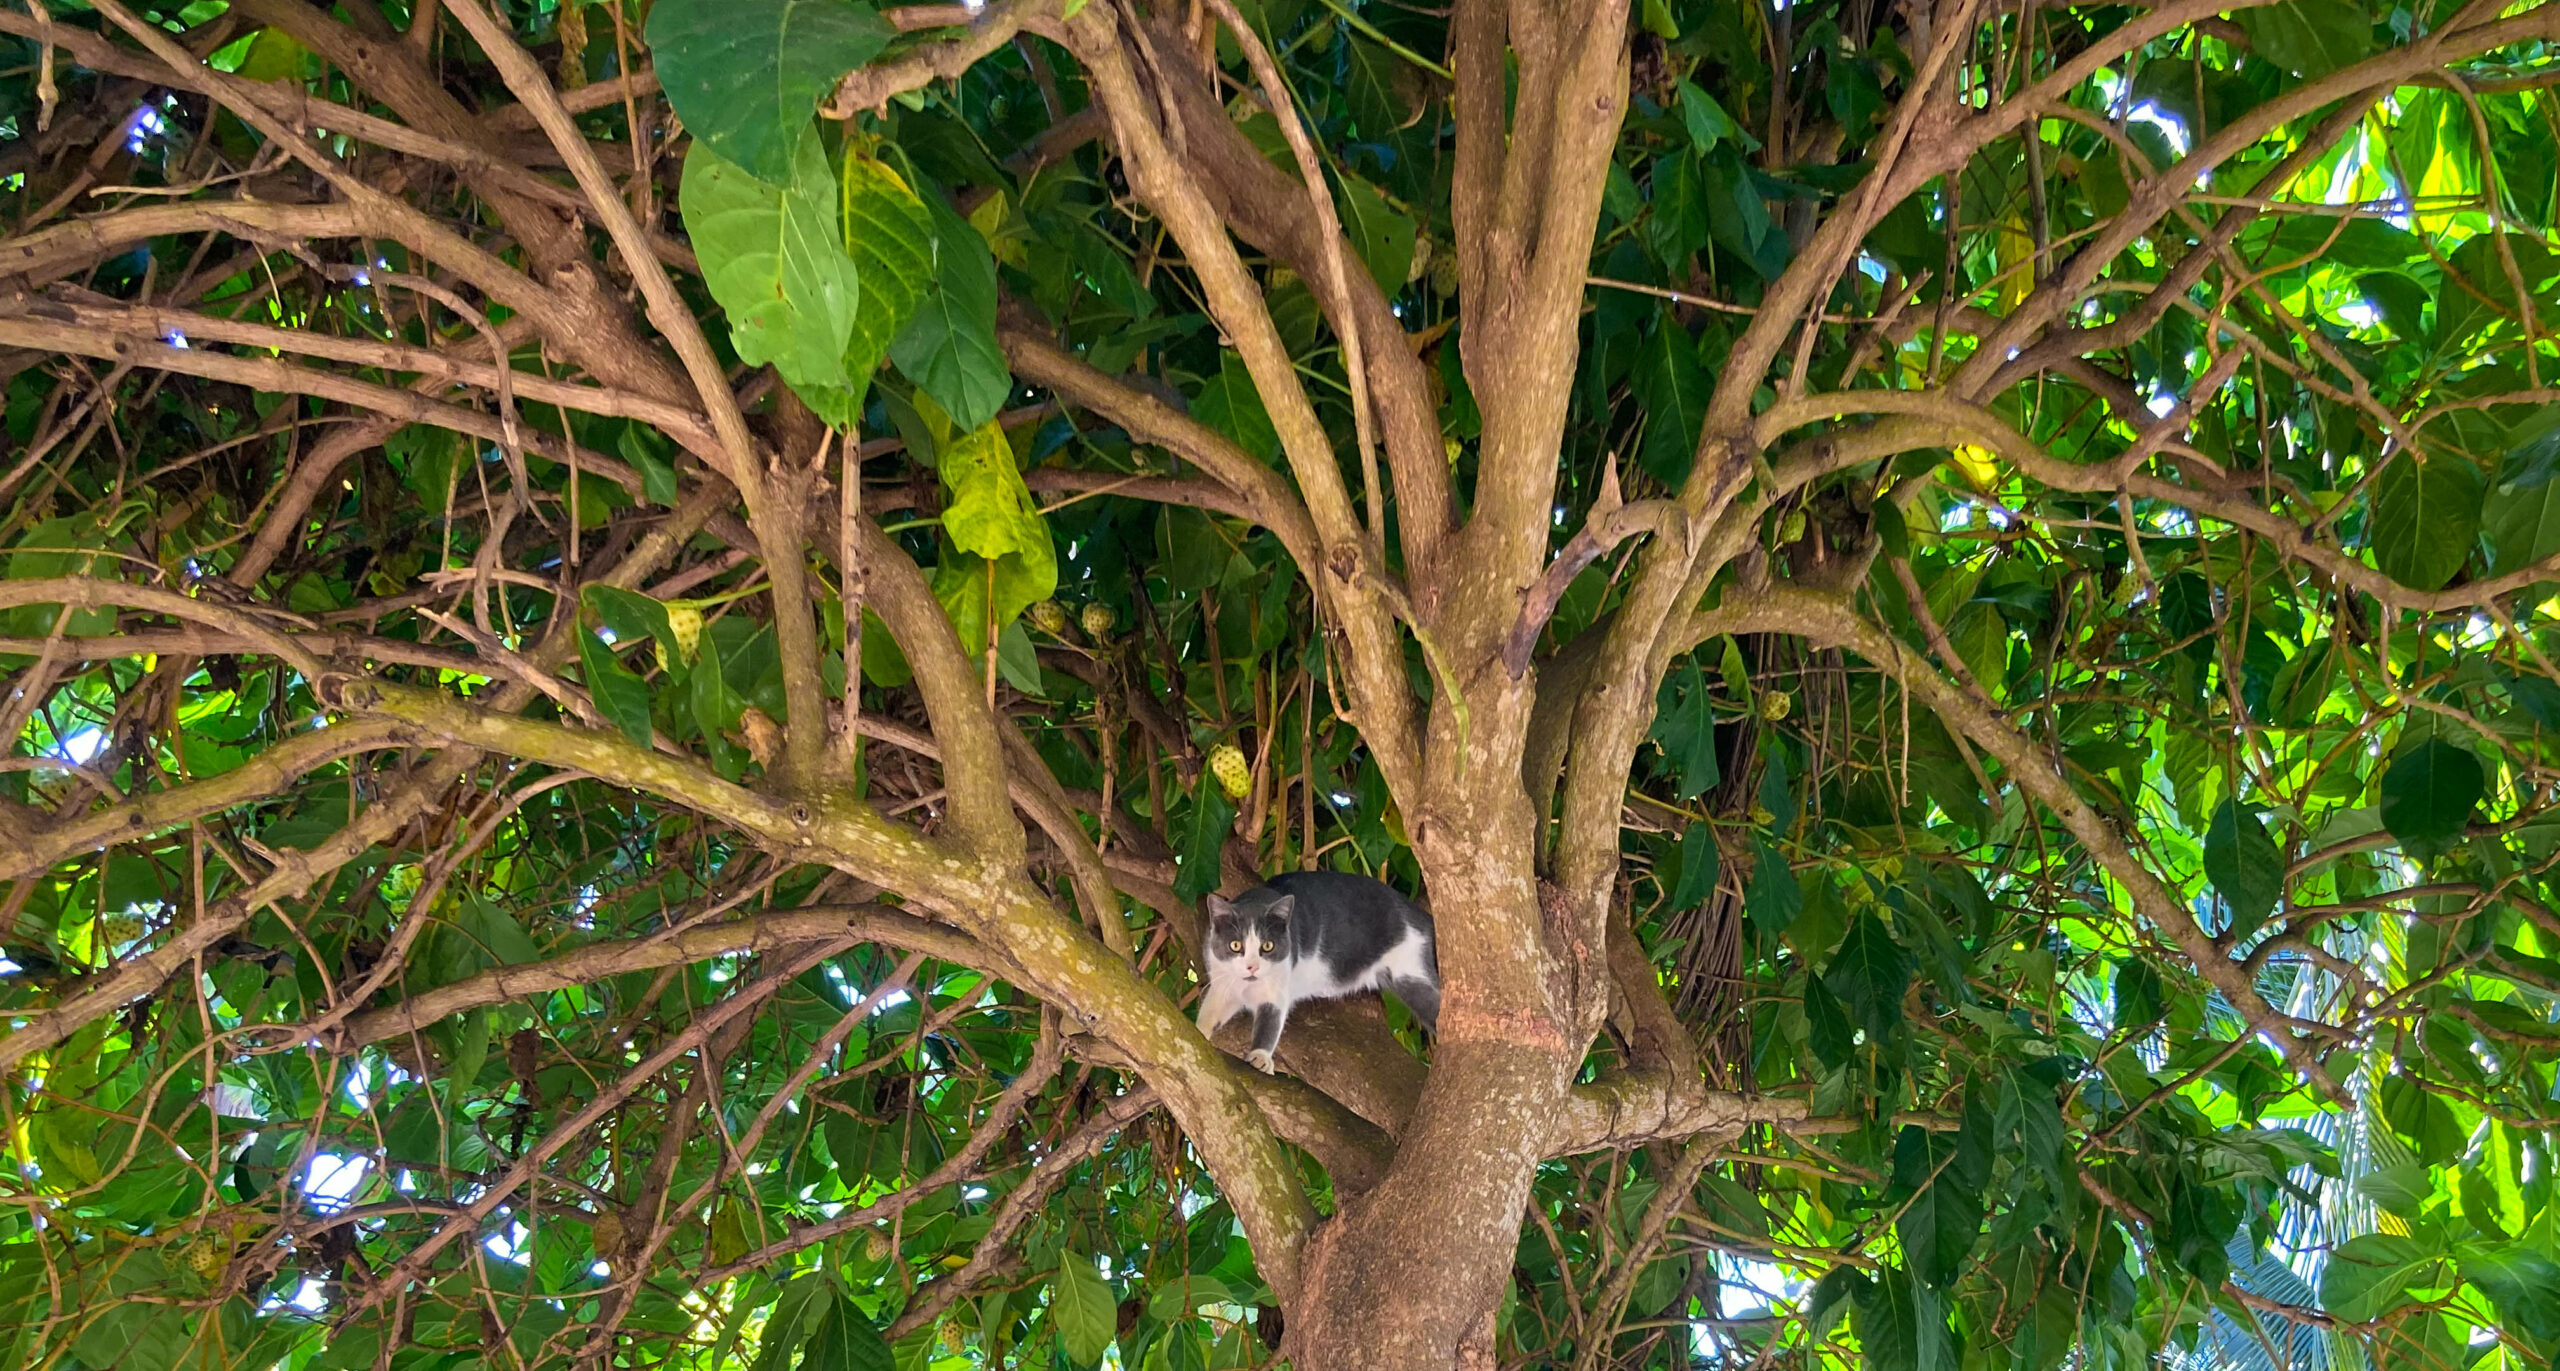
(1260, 1059)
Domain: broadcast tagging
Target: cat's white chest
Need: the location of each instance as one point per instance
(1272, 987)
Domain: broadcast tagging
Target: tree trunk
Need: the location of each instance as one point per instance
(1409, 1275)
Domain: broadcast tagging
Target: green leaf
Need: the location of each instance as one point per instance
(716, 708)
(1182, 1351)
(2244, 864)
(1230, 404)
(1081, 1304)
(2423, 1119)
(2425, 517)
(2309, 38)
(2523, 528)
(131, 1336)
(1018, 660)
(949, 348)
(1176, 1300)
(2370, 1275)
(427, 457)
(846, 1341)
(620, 695)
(2029, 1126)
(747, 75)
(70, 546)
(2428, 795)
(2140, 1000)
(1900, 1326)
(1943, 1219)
(1774, 898)
(804, 1303)
(1382, 236)
(1212, 819)
(1674, 390)
(632, 616)
(1869, 974)
(1684, 727)
(2523, 1283)
(2533, 459)
(499, 936)
(646, 449)
(1700, 864)
(2402, 1190)
(1828, 1032)
(1707, 122)
(775, 260)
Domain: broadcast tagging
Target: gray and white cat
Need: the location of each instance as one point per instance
(1314, 935)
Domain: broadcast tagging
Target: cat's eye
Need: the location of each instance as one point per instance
(1266, 947)
(1239, 947)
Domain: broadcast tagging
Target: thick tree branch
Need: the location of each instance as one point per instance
(840, 926)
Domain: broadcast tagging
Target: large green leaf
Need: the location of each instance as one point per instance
(2425, 516)
(2524, 1283)
(1674, 390)
(1204, 838)
(135, 1335)
(1869, 974)
(1942, 1220)
(2309, 38)
(73, 545)
(846, 1341)
(1081, 1304)
(1900, 1326)
(1379, 233)
(2523, 527)
(1701, 861)
(2428, 795)
(1231, 404)
(775, 260)
(620, 695)
(2371, 1275)
(1684, 727)
(2140, 1001)
(2422, 1119)
(746, 75)
(2244, 864)
(805, 1303)
(949, 348)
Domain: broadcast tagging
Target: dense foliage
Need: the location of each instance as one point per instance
(1951, 603)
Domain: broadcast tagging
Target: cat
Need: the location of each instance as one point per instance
(1314, 935)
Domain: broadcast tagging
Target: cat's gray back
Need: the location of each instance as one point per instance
(1351, 924)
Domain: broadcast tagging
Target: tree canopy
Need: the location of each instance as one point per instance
(633, 632)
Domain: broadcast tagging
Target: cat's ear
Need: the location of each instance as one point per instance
(1281, 908)
(1220, 907)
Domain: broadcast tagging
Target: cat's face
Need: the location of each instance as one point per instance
(1249, 939)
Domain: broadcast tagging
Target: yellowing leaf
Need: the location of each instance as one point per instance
(1980, 471)
(888, 233)
(2016, 256)
(1006, 231)
(1005, 562)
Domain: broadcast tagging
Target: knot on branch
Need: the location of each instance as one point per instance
(346, 692)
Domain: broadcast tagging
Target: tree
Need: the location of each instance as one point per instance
(634, 630)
